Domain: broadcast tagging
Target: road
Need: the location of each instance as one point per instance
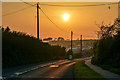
(57, 69)
(53, 71)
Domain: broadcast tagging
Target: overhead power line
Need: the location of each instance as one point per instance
(51, 20)
(45, 16)
(29, 3)
(20, 9)
(112, 3)
(78, 5)
(14, 12)
(33, 6)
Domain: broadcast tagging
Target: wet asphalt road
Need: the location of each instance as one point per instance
(55, 71)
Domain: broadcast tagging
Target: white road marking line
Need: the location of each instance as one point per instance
(34, 68)
(52, 77)
(54, 66)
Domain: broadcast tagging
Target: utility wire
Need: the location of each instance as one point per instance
(14, 12)
(45, 16)
(20, 9)
(78, 5)
(71, 5)
(28, 3)
(51, 20)
(56, 5)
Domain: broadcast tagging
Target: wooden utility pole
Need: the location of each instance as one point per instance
(119, 10)
(98, 36)
(71, 41)
(119, 17)
(81, 43)
(37, 20)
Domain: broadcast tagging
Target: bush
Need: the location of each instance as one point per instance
(106, 51)
(21, 49)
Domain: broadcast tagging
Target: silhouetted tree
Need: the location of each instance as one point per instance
(107, 49)
(2, 29)
(7, 29)
(106, 31)
(60, 38)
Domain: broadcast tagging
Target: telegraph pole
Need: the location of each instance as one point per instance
(98, 36)
(71, 41)
(119, 17)
(81, 43)
(37, 20)
(119, 10)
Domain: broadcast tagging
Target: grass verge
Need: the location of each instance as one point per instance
(81, 70)
(111, 69)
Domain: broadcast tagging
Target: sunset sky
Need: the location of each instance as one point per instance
(81, 19)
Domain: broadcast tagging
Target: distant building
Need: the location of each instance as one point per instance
(47, 39)
(60, 38)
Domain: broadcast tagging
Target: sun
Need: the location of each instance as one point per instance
(65, 16)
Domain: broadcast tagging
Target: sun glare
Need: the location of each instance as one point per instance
(65, 16)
